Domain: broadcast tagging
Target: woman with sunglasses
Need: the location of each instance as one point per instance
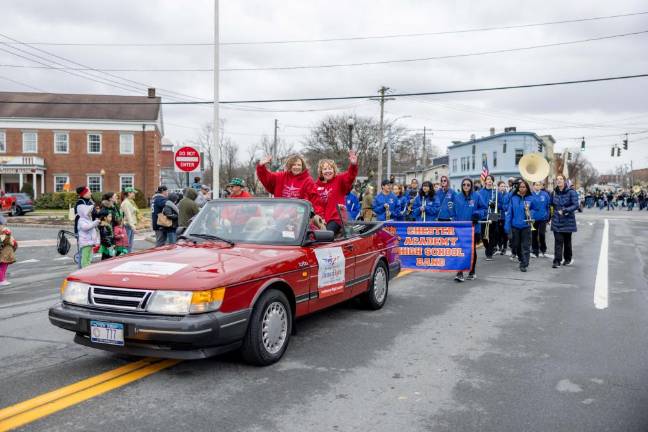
(469, 206)
(444, 201)
(518, 222)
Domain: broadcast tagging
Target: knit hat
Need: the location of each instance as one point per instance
(236, 182)
(82, 190)
(129, 189)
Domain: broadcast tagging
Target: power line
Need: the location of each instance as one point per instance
(336, 39)
(332, 98)
(336, 65)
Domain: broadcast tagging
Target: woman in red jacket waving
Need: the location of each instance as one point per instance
(332, 188)
(293, 182)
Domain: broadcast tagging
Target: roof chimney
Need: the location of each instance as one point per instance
(151, 92)
(510, 129)
(492, 131)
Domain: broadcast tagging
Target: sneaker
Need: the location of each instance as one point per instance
(568, 263)
(535, 255)
(555, 265)
(5, 283)
(543, 255)
(460, 277)
(523, 269)
(502, 252)
(489, 258)
(514, 258)
(471, 276)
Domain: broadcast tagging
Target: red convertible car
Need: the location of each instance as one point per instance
(237, 278)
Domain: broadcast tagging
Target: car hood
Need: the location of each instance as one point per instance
(189, 267)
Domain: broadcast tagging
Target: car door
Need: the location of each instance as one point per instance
(328, 287)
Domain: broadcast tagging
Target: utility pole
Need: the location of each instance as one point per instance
(274, 144)
(381, 144)
(216, 158)
(424, 150)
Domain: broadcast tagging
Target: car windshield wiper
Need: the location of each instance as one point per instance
(212, 237)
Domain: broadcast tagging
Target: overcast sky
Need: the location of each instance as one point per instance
(567, 112)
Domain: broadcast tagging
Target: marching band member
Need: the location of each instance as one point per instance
(490, 195)
(332, 188)
(403, 202)
(385, 205)
(503, 238)
(423, 207)
(519, 222)
(469, 206)
(564, 202)
(352, 206)
(444, 201)
(540, 217)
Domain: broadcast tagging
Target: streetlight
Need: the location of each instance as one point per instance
(389, 147)
(350, 122)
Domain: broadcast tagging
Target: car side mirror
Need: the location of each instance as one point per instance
(323, 236)
(180, 230)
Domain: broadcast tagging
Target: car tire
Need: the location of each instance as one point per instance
(19, 211)
(376, 297)
(13, 211)
(269, 329)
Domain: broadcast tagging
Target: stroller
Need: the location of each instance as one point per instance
(63, 245)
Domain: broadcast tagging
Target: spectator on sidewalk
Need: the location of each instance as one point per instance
(203, 196)
(158, 200)
(85, 198)
(187, 208)
(106, 235)
(8, 246)
(131, 215)
(196, 185)
(88, 237)
(109, 203)
(172, 213)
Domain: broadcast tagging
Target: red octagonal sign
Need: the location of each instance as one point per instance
(187, 159)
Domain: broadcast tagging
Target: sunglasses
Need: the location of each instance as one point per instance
(466, 184)
(444, 181)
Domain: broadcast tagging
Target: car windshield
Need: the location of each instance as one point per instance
(280, 222)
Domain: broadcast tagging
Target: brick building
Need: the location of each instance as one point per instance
(106, 142)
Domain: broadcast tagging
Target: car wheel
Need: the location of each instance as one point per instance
(13, 211)
(269, 330)
(376, 297)
(19, 211)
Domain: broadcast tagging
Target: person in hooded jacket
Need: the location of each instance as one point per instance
(85, 198)
(187, 207)
(423, 207)
(540, 217)
(332, 187)
(352, 205)
(158, 201)
(491, 196)
(385, 202)
(469, 206)
(518, 226)
(564, 203)
(88, 235)
(444, 201)
(172, 212)
(403, 202)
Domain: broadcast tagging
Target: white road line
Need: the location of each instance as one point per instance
(28, 261)
(63, 258)
(601, 284)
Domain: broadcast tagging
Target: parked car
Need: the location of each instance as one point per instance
(238, 277)
(8, 204)
(24, 203)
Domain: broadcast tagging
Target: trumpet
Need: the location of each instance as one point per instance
(529, 219)
(423, 209)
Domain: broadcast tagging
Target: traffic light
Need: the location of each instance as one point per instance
(583, 144)
(569, 156)
(618, 151)
(539, 147)
(612, 151)
(625, 144)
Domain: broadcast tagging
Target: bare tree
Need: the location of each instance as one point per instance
(580, 170)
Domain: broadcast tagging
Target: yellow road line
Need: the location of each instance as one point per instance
(49, 403)
(404, 273)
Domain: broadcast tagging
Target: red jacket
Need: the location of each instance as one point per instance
(284, 184)
(333, 193)
(243, 194)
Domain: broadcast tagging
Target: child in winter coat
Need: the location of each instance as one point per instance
(121, 238)
(8, 246)
(106, 235)
(88, 237)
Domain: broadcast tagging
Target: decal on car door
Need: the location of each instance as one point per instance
(330, 274)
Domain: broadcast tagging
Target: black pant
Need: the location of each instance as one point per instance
(490, 242)
(521, 242)
(563, 246)
(503, 239)
(538, 237)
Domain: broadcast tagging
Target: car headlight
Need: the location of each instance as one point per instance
(170, 302)
(75, 292)
(206, 301)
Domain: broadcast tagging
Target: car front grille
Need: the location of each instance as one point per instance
(120, 298)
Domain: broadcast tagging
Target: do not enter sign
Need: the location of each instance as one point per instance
(186, 159)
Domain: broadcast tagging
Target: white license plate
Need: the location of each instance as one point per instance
(107, 332)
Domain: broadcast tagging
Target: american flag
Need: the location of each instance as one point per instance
(485, 171)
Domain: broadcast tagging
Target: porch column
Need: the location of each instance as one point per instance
(20, 181)
(43, 184)
(34, 184)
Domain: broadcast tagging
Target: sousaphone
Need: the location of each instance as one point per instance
(533, 167)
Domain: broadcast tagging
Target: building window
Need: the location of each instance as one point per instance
(518, 155)
(30, 142)
(94, 143)
(473, 149)
(3, 142)
(61, 142)
(95, 183)
(126, 181)
(59, 182)
(473, 162)
(126, 144)
(494, 159)
(504, 147)
(454, 165)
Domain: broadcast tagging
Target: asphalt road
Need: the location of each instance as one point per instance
(509, 351)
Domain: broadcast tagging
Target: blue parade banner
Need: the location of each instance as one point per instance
(434, 246)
